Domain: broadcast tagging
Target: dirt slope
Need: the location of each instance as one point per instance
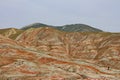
(50, 54)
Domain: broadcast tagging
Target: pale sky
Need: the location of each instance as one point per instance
(101, 14)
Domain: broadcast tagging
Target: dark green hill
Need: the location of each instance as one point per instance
(78, 28)
(67, 28)
(35, 25)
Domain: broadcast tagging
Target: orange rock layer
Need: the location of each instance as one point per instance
(49, 54)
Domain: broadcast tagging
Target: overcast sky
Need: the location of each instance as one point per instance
(102, 14)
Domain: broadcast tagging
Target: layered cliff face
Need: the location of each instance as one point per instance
(49, 54)
(14, 59)
(97, 46)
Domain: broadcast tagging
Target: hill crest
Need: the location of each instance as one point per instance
(66, 28)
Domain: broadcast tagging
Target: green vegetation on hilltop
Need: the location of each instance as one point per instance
(35, 25)
(66, 28)
(78, 28)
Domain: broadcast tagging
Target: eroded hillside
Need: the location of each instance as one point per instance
(49, 54)
(11, 32)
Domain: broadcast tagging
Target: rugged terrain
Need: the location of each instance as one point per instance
(47, 53)
(11, 32)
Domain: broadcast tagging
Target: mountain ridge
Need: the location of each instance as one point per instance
(68, 28)
(47, 53)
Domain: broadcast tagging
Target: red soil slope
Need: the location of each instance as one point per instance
(49, 54)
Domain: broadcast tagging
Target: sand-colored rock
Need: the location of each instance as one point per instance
(49, 54)
(11, 32)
